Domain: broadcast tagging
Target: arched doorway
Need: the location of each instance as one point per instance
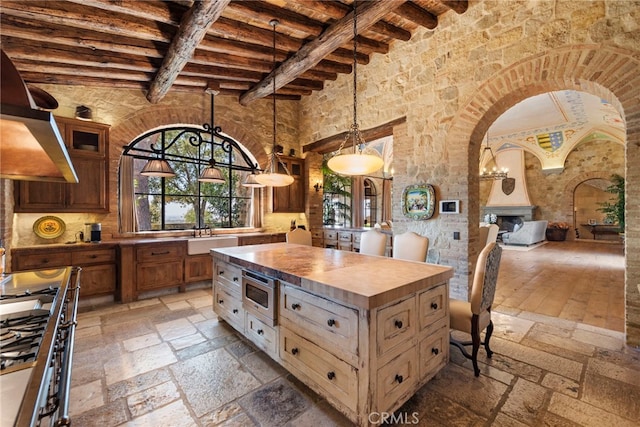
(581, 70)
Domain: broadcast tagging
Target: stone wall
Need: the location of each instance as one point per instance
(452, 83)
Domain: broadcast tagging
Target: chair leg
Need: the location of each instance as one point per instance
(487, 337)
(475, 339)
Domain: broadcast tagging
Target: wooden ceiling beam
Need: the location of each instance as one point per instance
(459, 6)
(415, 13)
(193, 28)
(332, 143)
(312, 53)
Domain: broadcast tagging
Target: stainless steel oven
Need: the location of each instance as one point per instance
(260, 296)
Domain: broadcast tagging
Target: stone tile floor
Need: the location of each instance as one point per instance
(168, 361)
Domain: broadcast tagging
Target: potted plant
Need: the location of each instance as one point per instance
(557, 231)
(614, 209)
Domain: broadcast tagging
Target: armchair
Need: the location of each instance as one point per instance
(531, 232)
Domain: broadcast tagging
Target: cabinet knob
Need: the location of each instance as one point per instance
(260, 332)
(331, 375)
(220, 301)
(221, 272)
(235, 311)
(235, 279)
(435, 351)
(398, 324)
(294, 350)
(399, 378)
(434, 305)
(331, 322)
(295, 306)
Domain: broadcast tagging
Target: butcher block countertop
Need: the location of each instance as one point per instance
(361, 280)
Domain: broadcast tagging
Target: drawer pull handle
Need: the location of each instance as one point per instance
(94, 256)
(399, 378)
(331, 322)
(434, 305)
(294, 350)
(435, 351)
(260, 332)
(295, 306)
(235, 279)
(221, 273)
(331, 375)
(398, 324)
(235, 311)
(220, 301)
(45, 261)
(160, 253)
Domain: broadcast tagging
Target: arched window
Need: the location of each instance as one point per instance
(183, 202)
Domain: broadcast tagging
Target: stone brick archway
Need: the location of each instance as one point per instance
(605, 71)
(570, 188)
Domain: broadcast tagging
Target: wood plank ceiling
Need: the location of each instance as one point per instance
(181, 45)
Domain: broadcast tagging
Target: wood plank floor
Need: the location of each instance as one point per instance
(581, 281)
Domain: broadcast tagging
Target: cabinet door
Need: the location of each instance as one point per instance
(291, 197)
(33, 196)
(197, 268)
(90, 193)
(98, 280)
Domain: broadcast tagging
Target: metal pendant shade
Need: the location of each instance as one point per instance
(159, 168)
(271, 177)
(363, 160)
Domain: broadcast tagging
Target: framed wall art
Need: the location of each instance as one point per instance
(449, 206)
(418, 201)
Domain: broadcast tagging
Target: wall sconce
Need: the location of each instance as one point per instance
(317, 186)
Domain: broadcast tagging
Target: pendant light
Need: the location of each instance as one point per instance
(363, 160)
(212, 173)
(271, 177)
(158, 167)
(251, 181)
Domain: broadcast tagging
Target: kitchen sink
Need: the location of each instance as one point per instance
(202, 245)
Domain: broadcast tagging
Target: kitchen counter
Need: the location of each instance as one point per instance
(364, 332)
(364, 281)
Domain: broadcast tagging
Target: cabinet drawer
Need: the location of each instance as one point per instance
(336, 377)
(357, 238)
(395, 324)
(397, 379)
(330, 235)
(263, 336)
(229, 274)
(434, 351)
(344, 236)
(229, 307)
(432, 305)
(95, 256)
(334, 323)
(344, 246)
(156, 252)
(317, 234)
(43, 260)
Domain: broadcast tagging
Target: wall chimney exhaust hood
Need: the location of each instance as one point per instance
(31, 147)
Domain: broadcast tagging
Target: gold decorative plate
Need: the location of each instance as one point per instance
(49, 227)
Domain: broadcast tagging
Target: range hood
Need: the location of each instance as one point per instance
(31, 147)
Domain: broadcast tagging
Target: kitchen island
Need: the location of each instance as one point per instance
(364, 332)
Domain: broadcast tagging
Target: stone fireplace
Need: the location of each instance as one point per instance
(509, 216)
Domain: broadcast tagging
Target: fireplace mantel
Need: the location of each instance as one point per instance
(524, 212)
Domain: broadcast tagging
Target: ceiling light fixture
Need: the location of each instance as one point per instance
(271, 177)
(212, 173)
(158, 167)
(489, 167)
(364, 160)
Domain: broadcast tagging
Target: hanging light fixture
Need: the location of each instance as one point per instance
(212, 173)
(271, 177)
(251, 181)
(489, 166)
(364, 160)
(158, 167)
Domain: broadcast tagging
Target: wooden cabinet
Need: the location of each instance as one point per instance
(198, 268)
(227, 299)
(260, 239)
(88, 146)
(291, 197)
(99, 264)
(159, 265)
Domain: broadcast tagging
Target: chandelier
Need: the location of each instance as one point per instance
(489, 166)
(271, 177)
(364, 160)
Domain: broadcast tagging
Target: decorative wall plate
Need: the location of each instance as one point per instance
(49, 227)
(418, 201)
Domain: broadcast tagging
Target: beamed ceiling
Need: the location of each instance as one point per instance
(182, 45)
